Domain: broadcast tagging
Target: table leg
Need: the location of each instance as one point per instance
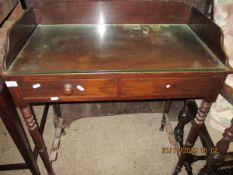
(215, 160)
(185, 116)
(165, 112)
(14, 126)
(193, 133)
(37, 137)
(58, 117)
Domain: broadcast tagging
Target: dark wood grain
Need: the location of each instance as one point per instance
(6, 6)
(170, 87)
(130, 48)
(92, 88)
(116, 86)
(208, 32)
(114, 12)
(17, 37)
(123, 65)
(215, 160)
(214, 92)
(227, 93)
(208, 143)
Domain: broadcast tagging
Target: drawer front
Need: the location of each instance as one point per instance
(69, 88)
(165, 87)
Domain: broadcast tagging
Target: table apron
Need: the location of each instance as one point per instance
(65, 89)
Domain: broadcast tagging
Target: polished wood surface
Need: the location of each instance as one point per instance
(116, 86)
(70, 87)
(114, 48)
(114, 11)
(170, 87)
(208, 32)
(17, 37)
(93, 51)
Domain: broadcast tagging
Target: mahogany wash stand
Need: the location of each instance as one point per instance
(72, 51)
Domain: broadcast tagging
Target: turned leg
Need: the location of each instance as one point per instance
(215, 160)
(193, 133)
(37, 138)
(185, 116)
(165, 112)
(14, 126)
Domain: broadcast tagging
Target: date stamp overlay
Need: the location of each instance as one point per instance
(185, 150)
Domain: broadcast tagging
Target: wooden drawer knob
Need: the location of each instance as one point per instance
(68, 89)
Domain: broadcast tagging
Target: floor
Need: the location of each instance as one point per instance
(129, 144)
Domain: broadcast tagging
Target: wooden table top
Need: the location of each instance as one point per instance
(115, 48)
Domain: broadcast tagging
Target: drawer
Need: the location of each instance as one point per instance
(165, 87)
(69, 88)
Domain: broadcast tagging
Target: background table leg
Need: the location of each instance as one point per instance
(215, 160)
(193, 133)
(186, 115)
(165, 112)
